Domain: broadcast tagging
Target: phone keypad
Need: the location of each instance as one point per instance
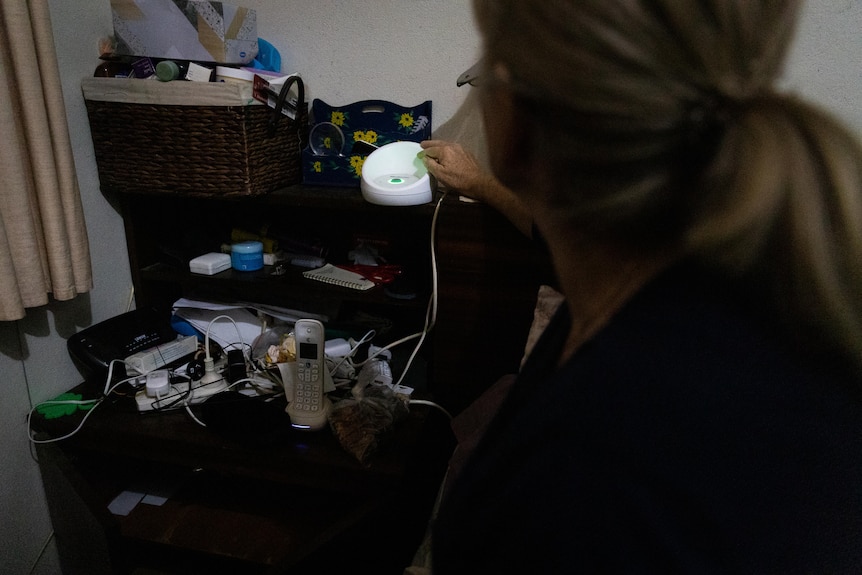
(309, 372)
(309, 394)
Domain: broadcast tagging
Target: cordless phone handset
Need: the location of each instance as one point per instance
(309, 408)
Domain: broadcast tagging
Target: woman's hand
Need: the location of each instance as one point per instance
(459, 170)
(455, 168)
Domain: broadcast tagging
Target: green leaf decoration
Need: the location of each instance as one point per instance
(56, 409)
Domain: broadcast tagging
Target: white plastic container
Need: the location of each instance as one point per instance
(234, 75)
(246, 256)
(210, 264)
(394, 175)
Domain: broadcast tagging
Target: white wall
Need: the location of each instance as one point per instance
(825, 63)
(405, 51)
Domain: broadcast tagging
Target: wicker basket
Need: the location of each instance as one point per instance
(191, 138)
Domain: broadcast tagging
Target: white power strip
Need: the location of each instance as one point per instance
(178, 396)
(148, 360)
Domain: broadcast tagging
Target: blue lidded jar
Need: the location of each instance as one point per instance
(246, 256)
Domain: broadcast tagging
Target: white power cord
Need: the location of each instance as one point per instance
(92, 402)
(431, 310)
(210, 375)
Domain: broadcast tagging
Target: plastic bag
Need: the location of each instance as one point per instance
(361, 422)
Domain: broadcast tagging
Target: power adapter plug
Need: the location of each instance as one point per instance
(158, 383)
(338, 347)
(377, 372)
(344, 369)
(235, 366)
(377, 351)
(210, 374)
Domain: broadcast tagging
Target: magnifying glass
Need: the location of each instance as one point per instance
(326, 139)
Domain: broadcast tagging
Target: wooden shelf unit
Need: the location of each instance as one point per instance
(303, 505)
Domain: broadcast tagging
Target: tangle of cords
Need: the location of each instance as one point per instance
(250, 380)
(349, 356)
(430, 321)
(209, 363)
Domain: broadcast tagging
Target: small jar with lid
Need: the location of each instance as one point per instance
(246, 256)
(168, 70)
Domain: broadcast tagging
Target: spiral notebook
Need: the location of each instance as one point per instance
(332, 274)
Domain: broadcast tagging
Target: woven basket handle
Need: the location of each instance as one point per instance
(280, 102)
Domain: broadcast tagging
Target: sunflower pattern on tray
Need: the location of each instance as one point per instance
(340, 138)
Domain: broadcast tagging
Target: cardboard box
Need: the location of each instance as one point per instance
(185, 30)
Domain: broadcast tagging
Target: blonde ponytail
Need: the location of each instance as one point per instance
(783, 208)
(659, 125)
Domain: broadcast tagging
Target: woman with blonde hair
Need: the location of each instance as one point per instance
(696, 407)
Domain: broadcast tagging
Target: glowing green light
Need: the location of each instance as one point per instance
(396, 181)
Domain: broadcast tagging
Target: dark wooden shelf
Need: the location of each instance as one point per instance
(330, 198)
(301, 504)
(488, 273)
(266, 279)
(164, 232)
(241, 505)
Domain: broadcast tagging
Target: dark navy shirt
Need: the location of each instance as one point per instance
(687, 436)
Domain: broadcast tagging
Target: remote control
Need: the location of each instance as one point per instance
(309, 408)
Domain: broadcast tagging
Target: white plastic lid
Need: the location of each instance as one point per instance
(249, 247)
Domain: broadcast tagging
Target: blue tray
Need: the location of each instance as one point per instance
(338, 137)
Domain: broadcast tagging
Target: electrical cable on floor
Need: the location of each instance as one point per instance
(432, 404)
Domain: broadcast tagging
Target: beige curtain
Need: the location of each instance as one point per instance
(43, 239)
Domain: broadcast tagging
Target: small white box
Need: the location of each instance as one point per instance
(210, 264)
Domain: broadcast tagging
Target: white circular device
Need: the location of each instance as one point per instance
(394, 175)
